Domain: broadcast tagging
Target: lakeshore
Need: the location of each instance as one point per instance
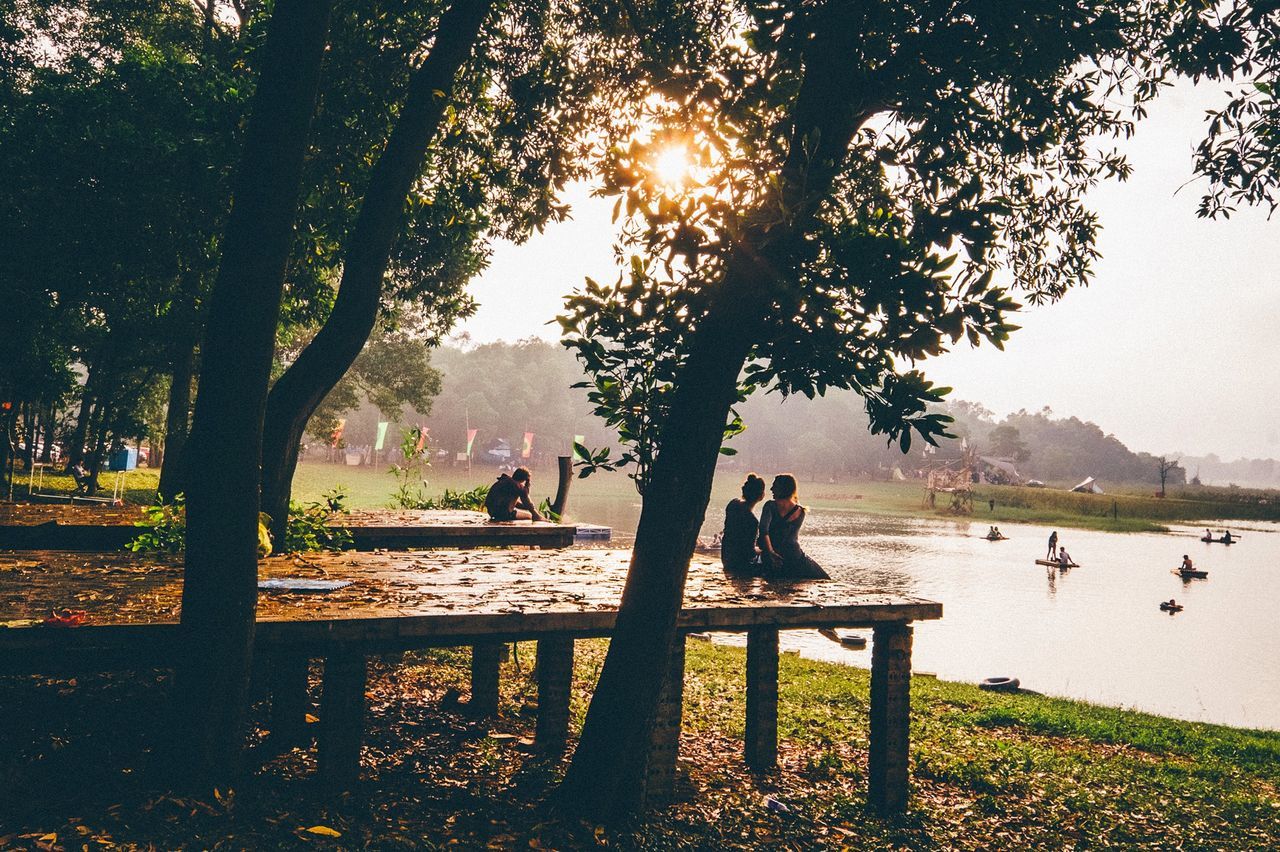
(1128, 509)
(1017, 771)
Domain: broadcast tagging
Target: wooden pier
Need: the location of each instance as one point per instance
(26, 526)
(405, 600)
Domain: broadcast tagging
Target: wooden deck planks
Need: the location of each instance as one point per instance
(408, 597)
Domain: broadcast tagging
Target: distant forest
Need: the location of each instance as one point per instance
(504, 390)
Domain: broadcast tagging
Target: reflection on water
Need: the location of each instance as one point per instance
(1094, 632)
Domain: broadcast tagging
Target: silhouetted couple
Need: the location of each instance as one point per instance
(769, 547)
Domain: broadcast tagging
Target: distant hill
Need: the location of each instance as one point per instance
(506, 389)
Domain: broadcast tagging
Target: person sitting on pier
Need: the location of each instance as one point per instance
(508, 498)
(780, 522)
(738, 552)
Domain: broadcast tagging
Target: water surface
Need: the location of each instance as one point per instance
(1094, 632)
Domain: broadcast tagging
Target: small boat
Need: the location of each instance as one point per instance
(849, 640)
(712, 546)
(1207, 540)
(1170, 606)
(1054, 563)
(996, 537)
(1191, 575)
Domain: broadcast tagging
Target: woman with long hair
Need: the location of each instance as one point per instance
(738, 551)
(780, 522)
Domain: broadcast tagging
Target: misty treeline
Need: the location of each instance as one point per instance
(506, 389)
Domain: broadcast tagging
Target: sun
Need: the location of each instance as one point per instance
(671, 166)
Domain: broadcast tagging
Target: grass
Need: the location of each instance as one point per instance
(139, 485)
(989, 771)
(1128, 509)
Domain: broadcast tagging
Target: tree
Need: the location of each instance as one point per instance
(219, 590)
(115, 156)
(862, 171)
(1166, 466)
(489, 158)
(1240, 154)
(393, 371)
(323, 362)
(1007, 443)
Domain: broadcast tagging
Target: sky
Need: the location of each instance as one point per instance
(1172, 348)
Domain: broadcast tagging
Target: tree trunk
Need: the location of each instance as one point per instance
(75, 451)
(6, 423)
(330, 354)
(606, 778)
(176, 423)
(219, 590)
(98, 434)
(50, 433)
(30, 428)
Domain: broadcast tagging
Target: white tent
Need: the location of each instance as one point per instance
(1089, 486)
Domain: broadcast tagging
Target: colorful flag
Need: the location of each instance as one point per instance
(422, 437)
(527, 449)
(382, 435)
(336, 436)
(471, 439)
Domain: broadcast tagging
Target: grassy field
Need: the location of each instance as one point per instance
(612, 496)
(989, 771)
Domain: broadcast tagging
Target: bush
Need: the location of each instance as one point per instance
(164, 528)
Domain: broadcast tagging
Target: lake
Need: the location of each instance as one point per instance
(1094, 632)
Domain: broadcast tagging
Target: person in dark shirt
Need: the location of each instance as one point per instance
(508, 498)
(738, 551)
(780, 522)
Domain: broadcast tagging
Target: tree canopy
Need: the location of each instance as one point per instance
(868, 184)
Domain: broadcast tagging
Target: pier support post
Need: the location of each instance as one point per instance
(486, 659)
(287, 681)
(342, 719)
(890, 717)
(660, 776)
(555, 682)
(761, 740)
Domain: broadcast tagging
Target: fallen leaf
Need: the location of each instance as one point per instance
(323, 831)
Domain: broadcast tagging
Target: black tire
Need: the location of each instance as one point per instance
(1000, 684)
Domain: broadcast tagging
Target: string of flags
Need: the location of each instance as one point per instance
(422, 434)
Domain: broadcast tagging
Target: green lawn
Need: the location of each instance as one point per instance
(1128, 509)
(988, 771)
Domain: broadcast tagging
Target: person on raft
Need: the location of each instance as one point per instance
(1053, 545)
(1186, 563)
(1064, 558)
(780, 522)
(1226, 536)
(738, 551)
(508, 498)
